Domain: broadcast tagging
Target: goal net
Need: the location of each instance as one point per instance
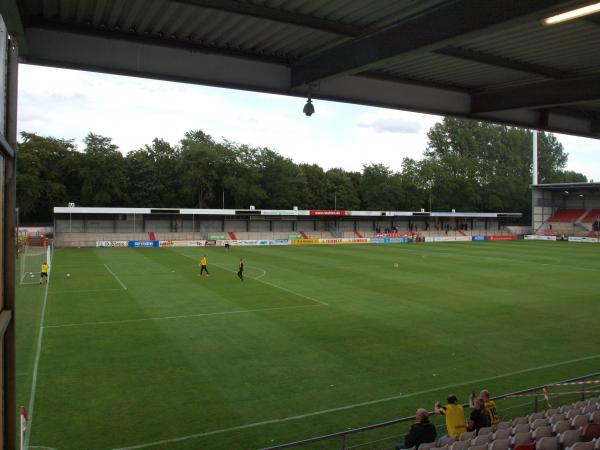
(32, 258)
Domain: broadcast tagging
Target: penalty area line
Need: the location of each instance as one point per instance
(188, 316)
(355, 405)
(116, 277)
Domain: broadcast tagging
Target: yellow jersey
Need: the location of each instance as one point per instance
(45, 268)
(455, 419)
(203, 262)
(490, 409)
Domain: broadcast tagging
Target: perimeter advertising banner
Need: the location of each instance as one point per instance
(583, 239)
(113, 244)
(139, 244)
(502, 238)
(326, 212)
(305, 241)
(345, 241)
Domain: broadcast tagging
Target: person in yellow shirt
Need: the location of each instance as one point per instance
(203, 266)
(490, 408)
(455, 416)
(44, 273)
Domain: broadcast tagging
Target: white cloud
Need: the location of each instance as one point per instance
(69, 104)
(387, 121)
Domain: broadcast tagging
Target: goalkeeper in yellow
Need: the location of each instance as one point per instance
(44, 273)
(203, 266)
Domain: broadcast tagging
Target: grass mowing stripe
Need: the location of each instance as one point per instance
(356, 405)
(223, 313)
(279, 287)
(265, 282)
(116, 277)
(85, 291)
(37, 360)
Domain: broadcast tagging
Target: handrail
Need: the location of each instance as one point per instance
(342, 434)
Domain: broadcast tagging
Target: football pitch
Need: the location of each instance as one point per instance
(129, 348)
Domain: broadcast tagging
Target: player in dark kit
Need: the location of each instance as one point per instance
(241, 270)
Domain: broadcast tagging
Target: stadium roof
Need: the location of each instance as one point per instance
(489, 60)
(567, 187)
(273, 212)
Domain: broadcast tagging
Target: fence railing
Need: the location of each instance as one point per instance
(535, 402)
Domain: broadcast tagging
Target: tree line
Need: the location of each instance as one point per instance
(467, 165)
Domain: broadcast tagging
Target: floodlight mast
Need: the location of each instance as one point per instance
(535, 157)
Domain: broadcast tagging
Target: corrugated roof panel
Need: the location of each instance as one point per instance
(443, 69)
(558, 47)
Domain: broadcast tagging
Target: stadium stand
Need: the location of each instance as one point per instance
(591, 215)
(534, 432)
(567, 215)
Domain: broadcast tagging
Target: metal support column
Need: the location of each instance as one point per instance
(10, 242)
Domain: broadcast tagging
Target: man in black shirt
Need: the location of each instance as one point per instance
(478, 417)
(241, 270)
(422, 431)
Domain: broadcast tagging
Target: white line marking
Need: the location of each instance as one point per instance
(116, 277)
(356, 405)
(41, 446)
(36, 363)
(264, 272)
(278, 287)
(145, 319)
(266, 282)
(84, 291)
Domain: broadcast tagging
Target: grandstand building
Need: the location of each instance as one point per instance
(83, 226)
(569, 209)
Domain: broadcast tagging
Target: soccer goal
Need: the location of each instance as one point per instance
(32, 258)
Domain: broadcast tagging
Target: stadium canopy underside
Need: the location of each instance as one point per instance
(489, 60)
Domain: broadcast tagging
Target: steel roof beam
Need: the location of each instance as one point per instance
(429, 29)
(500, 61)
(13, 18)
(277, 15)
(538, 95)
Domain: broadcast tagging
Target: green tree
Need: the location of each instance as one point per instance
(47, 175)
(103, 176)
(342, 190)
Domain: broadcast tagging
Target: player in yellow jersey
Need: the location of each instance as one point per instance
(490, 408)
(44, 273)
(203, 266)
(455, 416)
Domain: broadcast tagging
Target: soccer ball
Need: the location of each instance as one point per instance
(32, 275)
(68, 275)
(395, 264)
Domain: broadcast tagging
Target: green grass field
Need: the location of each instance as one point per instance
(137, 351)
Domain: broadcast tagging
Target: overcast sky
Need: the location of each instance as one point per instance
(132, 111)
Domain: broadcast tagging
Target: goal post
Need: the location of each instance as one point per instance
(32, 258)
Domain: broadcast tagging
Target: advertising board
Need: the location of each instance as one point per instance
(479, 238)
(113, 244)
(279, 242)
(140, 244)
(396, 240)
(217, 237)
(194, 243)
(589, 240)
(166, 244)
(502, 238)
(304, 241)
(326, 212)
(210, 243)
